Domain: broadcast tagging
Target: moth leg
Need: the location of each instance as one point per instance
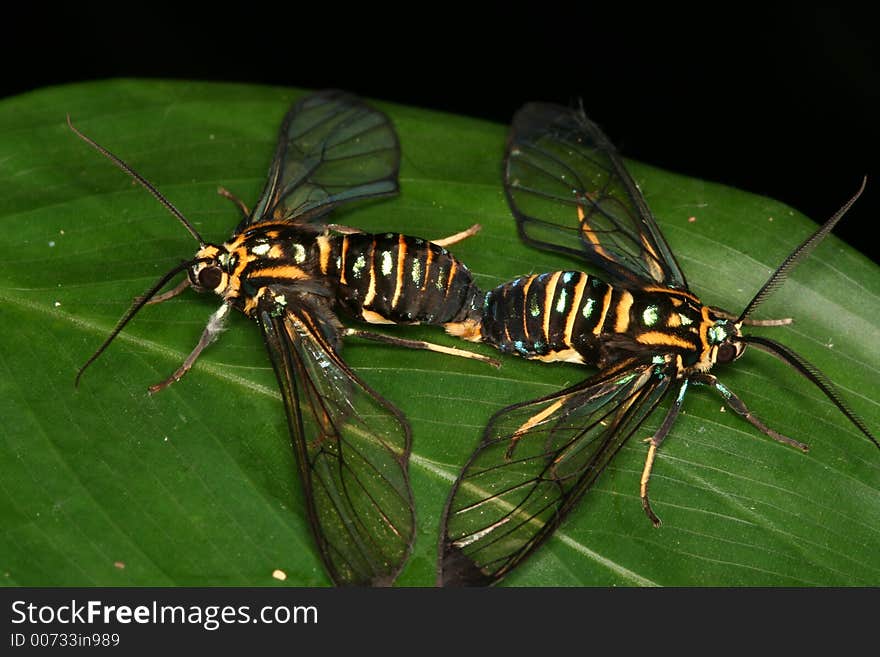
(643, 483)
(653, 445)
(418, 344)
(741, 409)
(458, 237)
(215, 325)
(225, 193)
(170, 294)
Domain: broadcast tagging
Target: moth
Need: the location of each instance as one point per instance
(649, 336)
(289, 269)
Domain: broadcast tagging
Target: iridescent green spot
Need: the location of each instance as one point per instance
(685, 320)
(387, 263)
(561, 303)
(227, 260)
(280, 304)
(534, 307)
(650, 315)
(588, 308)
(299, 253)
(358, 267)
(416, 271)
(717, 333)
(441, 278)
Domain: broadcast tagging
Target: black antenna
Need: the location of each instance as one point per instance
(143, 181)
(778, 277)
(139, 303)
(811, 373)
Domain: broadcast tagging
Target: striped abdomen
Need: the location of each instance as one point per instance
(397, 279)
(571, 316)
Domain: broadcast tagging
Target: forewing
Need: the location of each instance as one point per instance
(536, 460)
(570, 192)
(352, 450)
(332, 148)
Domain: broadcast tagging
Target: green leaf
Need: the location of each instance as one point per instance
(105, 485)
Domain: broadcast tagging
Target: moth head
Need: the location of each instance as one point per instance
(210, 271)
(724, 341)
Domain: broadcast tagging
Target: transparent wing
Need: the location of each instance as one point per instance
(570, 192)
(536, 460)
(352, 450)
(332, 148)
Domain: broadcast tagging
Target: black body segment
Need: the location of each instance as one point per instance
(398, 279)
(574, 317)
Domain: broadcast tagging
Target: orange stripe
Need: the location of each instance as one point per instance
(282, 271)
(575, 307)
(673, 294)
(663, 339)
(401, 261)
(605, 303)
(371, 290)
(539, 417)
(586, 230)
(324, 253)
(704, 327)
(525, 317)
(548, 302)
(428, 260)
(451, 275)
(242, 260)
(621, 322)
(654, 261)
(342, 260)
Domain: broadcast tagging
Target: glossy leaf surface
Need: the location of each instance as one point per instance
(105, 485)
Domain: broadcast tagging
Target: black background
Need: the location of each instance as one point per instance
(778, 100)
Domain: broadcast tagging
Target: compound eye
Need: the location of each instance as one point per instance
(210, 277)
(726, 353)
